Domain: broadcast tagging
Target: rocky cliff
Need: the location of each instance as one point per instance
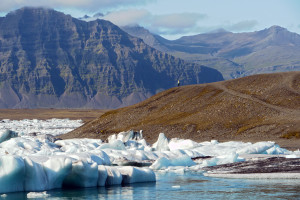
(49, 59)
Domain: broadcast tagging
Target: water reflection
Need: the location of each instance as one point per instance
(185, 186)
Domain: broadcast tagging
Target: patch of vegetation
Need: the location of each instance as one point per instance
(290, 135)
(111, 112)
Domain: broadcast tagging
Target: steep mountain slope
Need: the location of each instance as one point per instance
(49, 59)
(253, 108)
(234, 54)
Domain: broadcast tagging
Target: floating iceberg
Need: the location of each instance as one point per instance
(163, 163)
(38, 162)
(136, 175)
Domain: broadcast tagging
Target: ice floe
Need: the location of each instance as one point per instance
(39, 162)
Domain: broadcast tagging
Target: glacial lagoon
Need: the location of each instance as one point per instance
(178, 176)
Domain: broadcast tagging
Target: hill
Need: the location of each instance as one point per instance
(274, 49)
(254, 108)
(51, 60)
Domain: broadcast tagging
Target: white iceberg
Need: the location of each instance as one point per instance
(136, 175)
(12, 173)
(37, 162)
(162, 143)
(114, 177)
(163, 163)
(83, 174)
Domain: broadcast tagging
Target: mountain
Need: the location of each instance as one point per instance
(234, 54)
(49, 59)
(252, 108)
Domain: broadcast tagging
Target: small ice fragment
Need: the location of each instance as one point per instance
(34, 195)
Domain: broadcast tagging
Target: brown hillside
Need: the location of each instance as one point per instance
(254, 108)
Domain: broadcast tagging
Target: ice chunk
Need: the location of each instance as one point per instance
(7, 134)
(34, 195)
(35, 177)
(136, 175)
(56, 169)
(102, 175)
(125, 136)
(276, 150)
(101, 158)
(83, 174)
(163, 162)
(162, 143)
(176, 143)
(117, 144)
(114, 177)
(220, 160)
(257, 148)
(12, 173)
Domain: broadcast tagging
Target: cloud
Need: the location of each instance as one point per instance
(242, 26)
(127, 17)
(160, 24)
(90, 5)
(177, 20)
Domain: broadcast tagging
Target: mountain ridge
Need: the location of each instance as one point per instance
(234, 54)
(49, 59)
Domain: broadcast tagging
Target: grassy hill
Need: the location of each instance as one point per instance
(254, 108)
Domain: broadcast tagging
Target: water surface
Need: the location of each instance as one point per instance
(183, 186)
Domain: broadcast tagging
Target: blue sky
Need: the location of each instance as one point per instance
(175, 18)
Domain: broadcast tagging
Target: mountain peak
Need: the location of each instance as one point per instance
(275, 29)
(31, 9)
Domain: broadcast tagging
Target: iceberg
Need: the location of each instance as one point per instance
(12, 173)
(83, 174)
(136, 175)
(7, 134)
(163, 162)
(114, 177)
(33, 161)
(102, 175)
(35, 176)
(56, 170)
(162, 143)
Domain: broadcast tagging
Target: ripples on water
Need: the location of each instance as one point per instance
(185, 186)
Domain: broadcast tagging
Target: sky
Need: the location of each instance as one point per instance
(176, 18)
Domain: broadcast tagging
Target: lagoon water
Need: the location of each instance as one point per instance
(189, 185)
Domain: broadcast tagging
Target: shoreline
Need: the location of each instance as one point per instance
(87, 115)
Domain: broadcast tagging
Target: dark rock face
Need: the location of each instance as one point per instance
(269, 165)
(234, 54)
(49, 59)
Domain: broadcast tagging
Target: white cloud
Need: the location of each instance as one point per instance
(242, 26)
(90, 5)
(127, 17)
(177, 20)
(160, 24)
